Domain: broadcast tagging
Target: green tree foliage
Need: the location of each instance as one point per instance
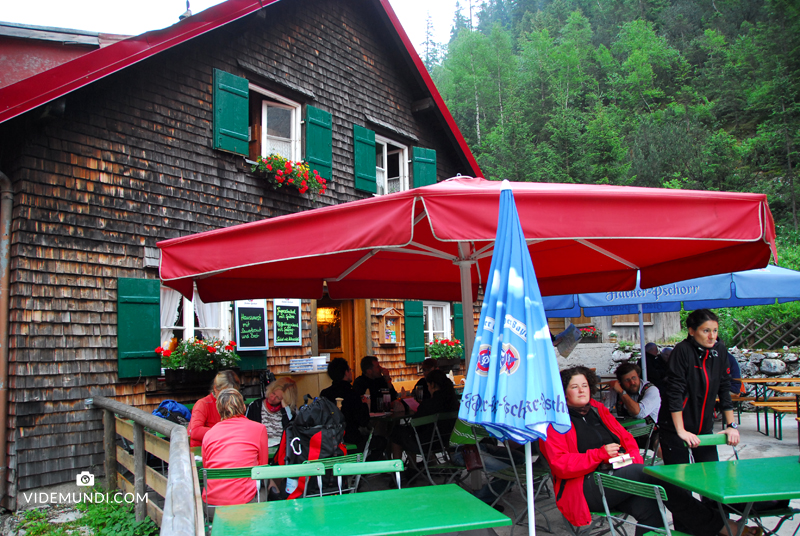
(660, 93)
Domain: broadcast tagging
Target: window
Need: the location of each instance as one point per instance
(274, 124)
(391, 166)
(436, 320)
(185, 319)
(381, 166)
(632, 320)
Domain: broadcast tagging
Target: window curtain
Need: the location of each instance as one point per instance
(169, 311)
(437, 322)
(208, 315)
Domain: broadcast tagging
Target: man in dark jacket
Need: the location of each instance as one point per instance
(373, 377)
(356, 413)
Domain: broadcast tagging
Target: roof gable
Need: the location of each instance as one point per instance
(49, 85)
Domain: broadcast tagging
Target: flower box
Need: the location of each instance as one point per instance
(280, 172)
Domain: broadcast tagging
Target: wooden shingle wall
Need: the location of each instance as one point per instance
(130, 163)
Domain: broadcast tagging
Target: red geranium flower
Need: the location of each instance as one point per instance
(232, 343)
(159, 350)
(211, 349)
(269, 167)
(167, 353)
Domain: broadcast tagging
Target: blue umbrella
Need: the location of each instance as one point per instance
(513, 387)
(738, 289)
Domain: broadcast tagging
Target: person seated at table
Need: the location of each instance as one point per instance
(698, 374)
(204, 413)
(356, 413)
(443, 400)
(428, 365)
(373, 378)
(632, 398)
(276, 409)
(234, 442)
(596, 437)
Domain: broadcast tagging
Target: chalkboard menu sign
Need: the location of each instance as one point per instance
(251, 325)
(286, 323)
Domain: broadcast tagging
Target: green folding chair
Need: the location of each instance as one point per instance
(268, 472)
(425, 443)
(640, 489)
(367, 468)
(221, 474)
(329, 463)
(646, 431)
(513, 474)
(707, 440)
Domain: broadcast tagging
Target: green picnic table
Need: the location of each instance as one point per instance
(736, 481)
(412, 511)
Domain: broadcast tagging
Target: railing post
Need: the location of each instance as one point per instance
(110, 446)
(139, 464)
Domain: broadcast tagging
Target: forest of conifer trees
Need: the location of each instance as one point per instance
(693, 94)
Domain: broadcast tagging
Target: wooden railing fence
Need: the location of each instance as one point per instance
(182, 514)
(765, 335)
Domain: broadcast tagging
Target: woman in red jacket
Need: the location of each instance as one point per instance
(596, 437)
(204, 412)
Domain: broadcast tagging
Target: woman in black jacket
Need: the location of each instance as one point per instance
(698, 374)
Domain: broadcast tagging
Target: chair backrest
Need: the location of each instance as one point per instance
(368, 468)
(462, 434)
(708, 440)
(631, 487)
(639, 431)
(328, 463)
(265, 472)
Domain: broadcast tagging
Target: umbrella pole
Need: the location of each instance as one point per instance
(531, 490)
(641, 343)
(466, 308)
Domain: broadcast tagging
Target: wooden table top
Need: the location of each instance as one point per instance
(768, 380)
(791, 389)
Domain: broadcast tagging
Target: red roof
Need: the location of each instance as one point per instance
(49, 85)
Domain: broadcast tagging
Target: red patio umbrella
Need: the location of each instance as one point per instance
(435, 243)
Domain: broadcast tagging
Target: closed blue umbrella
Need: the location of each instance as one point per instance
(513, 387)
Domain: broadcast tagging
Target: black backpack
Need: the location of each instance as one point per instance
(316, 432)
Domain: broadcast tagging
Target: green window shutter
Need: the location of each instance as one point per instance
(458, 324)
(364, 160)
(423, 166)
(138, 327)
(231, 119)
(319, 141)
(415, 332)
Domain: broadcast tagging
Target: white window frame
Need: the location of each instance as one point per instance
(403, 155)
(188, 327)
(446, 323)
(296, 120)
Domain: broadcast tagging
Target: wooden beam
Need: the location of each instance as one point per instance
(139, 462)
(422, 105)
(109, 442)
(156, 446)
(156, 481)
(125, 429)
(125, 460)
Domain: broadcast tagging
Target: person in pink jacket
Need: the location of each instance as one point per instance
(204, 412)
(596, 437)
(235, 442)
